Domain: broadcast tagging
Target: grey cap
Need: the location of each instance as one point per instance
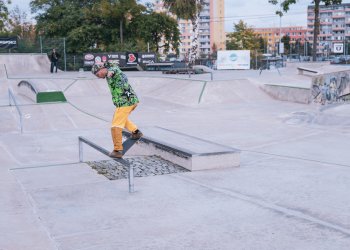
(96, 67)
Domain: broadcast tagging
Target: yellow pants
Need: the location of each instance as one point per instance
(120, 121)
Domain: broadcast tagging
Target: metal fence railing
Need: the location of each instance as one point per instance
(69, 61)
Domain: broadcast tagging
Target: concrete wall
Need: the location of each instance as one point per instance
(331, 87)
(288, 93)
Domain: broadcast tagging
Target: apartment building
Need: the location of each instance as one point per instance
(211, 28)
(334, 26)
(272, 36)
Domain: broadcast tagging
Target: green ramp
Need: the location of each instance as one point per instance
(30, 90)
(52, 96)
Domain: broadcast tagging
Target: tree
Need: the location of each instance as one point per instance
(103, 25)
(243, 37)
(285, 4)
(188, 10)
(22, 28)
(3, 15)
(156, 28)
(70, 19)
(286, 42)
(123, 11)
(214, 51)
(263, 44)
(19, 25)
(87, 24)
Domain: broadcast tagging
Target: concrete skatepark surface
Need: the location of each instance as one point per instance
(290, 191)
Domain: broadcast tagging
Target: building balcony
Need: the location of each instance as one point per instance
(337, 17)
(324, 11)
(204, 40)
(338, 29)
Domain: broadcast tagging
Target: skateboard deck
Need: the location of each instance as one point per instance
(128, 143)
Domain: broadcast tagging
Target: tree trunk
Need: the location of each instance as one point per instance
(316, 29)
(194, 44)
(121, 30)
(195, 29)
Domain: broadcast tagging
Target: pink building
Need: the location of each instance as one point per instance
(334, 26)
(272, 35)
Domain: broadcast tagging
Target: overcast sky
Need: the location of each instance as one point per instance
(257, 13)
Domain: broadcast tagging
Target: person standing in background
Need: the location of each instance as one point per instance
(54, 59)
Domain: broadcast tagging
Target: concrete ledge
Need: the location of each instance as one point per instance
(288, 93)
(302, 70)
(189, 152)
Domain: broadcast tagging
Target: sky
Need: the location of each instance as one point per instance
(257, 13)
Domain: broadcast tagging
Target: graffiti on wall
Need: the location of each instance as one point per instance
(330, 88)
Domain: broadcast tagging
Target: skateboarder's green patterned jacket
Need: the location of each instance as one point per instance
(122, 93)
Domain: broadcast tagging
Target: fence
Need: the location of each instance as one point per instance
(67, 62)
(75, 61)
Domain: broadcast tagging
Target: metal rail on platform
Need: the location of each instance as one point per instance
(106, 152)
(12, 97)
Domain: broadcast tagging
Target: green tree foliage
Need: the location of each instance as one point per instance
(243, 38)
(157, 29)
(99, 25)
(124, 10)
(262, 44)
(3, 16)
(70, 19)
(285, 5)
(286, 42)
(184, 9)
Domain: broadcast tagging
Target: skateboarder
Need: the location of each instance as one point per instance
(125, 101)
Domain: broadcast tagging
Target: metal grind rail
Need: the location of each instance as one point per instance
(106, 152)
(12, 97)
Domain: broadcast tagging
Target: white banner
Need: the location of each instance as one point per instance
(233, 59)
(338, 48)
(281, 48)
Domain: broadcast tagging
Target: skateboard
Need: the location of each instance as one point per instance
(128, 143)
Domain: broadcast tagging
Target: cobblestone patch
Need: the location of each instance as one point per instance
(143, 166)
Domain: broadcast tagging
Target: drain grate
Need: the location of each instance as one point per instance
(143, 166)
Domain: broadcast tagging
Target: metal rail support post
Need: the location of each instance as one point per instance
(105, 152)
